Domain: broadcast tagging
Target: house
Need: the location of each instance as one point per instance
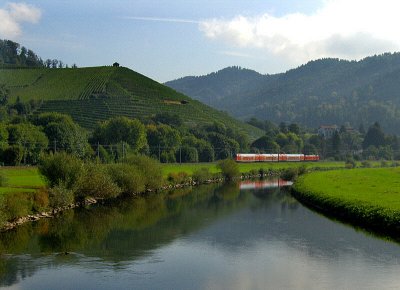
(327, 131)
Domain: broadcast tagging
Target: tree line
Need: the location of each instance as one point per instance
(345, 142)
(13, 55)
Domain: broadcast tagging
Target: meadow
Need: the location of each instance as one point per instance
(20, 179)
(369, 197)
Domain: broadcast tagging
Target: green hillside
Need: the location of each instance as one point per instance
(95, 94)
(321, 92)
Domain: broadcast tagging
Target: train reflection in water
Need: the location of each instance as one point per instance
(264, 184)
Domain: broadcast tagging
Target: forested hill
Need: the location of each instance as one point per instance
(325, 91)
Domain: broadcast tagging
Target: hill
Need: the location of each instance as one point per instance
(325, 91)
(95, 94)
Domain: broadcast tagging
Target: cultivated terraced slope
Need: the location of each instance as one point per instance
(94, 94)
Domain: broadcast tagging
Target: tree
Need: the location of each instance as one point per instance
(30, 138)
(294, 128)
(336, 143)
(4, 93)
(266, 144)
(121, 129)
(374, 137)
(63, 133)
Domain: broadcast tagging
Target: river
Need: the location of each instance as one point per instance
(248, 236)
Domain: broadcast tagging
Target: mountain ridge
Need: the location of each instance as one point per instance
(323, 91)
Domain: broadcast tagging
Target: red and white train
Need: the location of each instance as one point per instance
(240, 157)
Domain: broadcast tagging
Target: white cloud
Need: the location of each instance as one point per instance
(340, 28)
(13, 14)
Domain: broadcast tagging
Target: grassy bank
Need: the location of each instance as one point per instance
(20, 179)
(248, 167)
(369, 197)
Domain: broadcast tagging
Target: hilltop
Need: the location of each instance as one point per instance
(324, 91)
(95, 94)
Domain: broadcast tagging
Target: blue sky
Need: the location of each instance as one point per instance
(170, 39)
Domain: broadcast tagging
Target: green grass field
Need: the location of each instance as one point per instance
(21, 179)
(369, 196)
(247, 167)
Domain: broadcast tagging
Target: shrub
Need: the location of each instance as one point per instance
(384, 163)
(366, 164)
(97, 183)
(128, 177)
(229, 168)
(350, 163)
(59, 195)
(290, 173)
(202, 175)
(17, 205)
(40, 200)
(13, 155)
(62, 168)
(151, 170)
(178, 177)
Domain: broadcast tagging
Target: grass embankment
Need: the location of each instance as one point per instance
(20, 179)
(248, 167)
(369, 197)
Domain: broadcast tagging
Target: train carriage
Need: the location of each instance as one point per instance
(248, 157)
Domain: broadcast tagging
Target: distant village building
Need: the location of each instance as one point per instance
(116, 64)
(327, 131)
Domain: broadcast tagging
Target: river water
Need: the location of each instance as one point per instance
(248, 236)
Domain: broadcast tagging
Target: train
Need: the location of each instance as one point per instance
(247, 157)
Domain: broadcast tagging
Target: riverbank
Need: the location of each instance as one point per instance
(368, 197)
(28, 187)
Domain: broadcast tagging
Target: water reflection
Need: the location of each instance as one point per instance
(236, 236)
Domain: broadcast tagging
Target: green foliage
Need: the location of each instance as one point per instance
(350, 163)
(151, 170)
(41, 200)
(374, 137)
(62, 169)
(13, 155)
(178, 177)
(32, 140)
(17, 205)
(129, 178)
(202, 174)
(96, 182)
(229, 168)
(121, 129)
(187, 154)
(59, 195)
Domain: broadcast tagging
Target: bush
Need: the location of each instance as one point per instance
(151, 170)
(229, 168)
(384, 163)
(366, 164)
(202, 175)
(178, 177)
(62, 168)
(17, 205)
(59, 195)
(350, 163)
(13, 155)
(40, 200)
(97, 183)
(128, 177)
(290, 173)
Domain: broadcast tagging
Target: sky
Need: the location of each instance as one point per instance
(169, 39)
